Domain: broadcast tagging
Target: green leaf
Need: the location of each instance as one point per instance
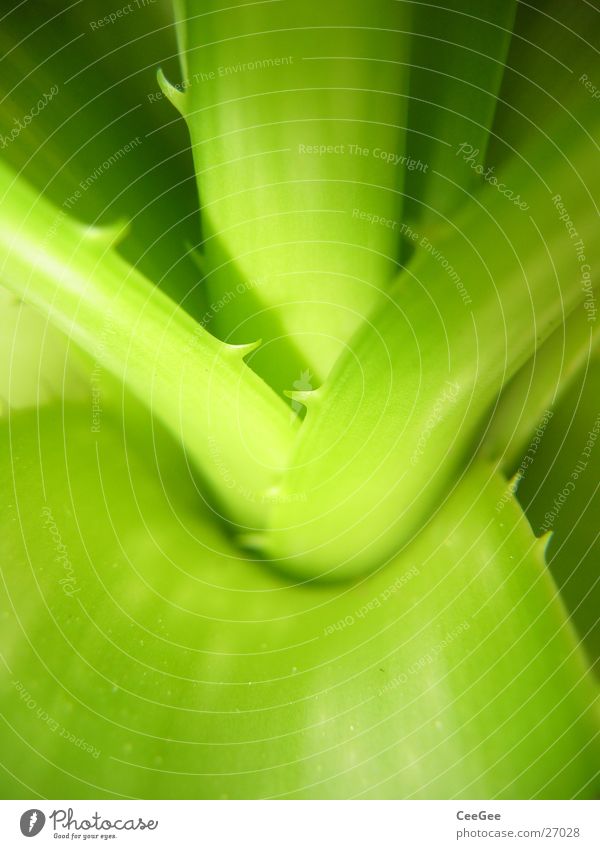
(142, 657)
(457, 61)
(390, 431)
(234, 427)
(559, 491)
(36, 365)
(143, 654)
(552, 61)
(298, 148)
(529, 398)
(103, 146)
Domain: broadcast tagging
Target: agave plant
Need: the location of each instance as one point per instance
(299, 454)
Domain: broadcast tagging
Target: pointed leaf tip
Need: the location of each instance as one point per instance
(171, 92)
(242, 351)
(543, 543)
(108, 235)
(514, 481)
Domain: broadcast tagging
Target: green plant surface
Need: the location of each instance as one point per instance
(284, 157)
(566, 454)
(196, 673)
(34, 363)
(298, 474)
(403, 426)
(538, 386)
(458, 56)
(101, 150)
(199, 386)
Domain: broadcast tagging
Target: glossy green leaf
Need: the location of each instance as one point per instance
(103, 146)
(558, 488)
(234, 427)
(297, 148)
(457, 61)
(143, 657)
(151, 646)
(526, 404)
(399, 417)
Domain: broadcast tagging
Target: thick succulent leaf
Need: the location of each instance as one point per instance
(558, 487)
(527, 401)
(36, 365)
(141, 656)
(457, 59)
(551, 73)
(234, 426)
(103, 146)
(390, 430)
(298, 140)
